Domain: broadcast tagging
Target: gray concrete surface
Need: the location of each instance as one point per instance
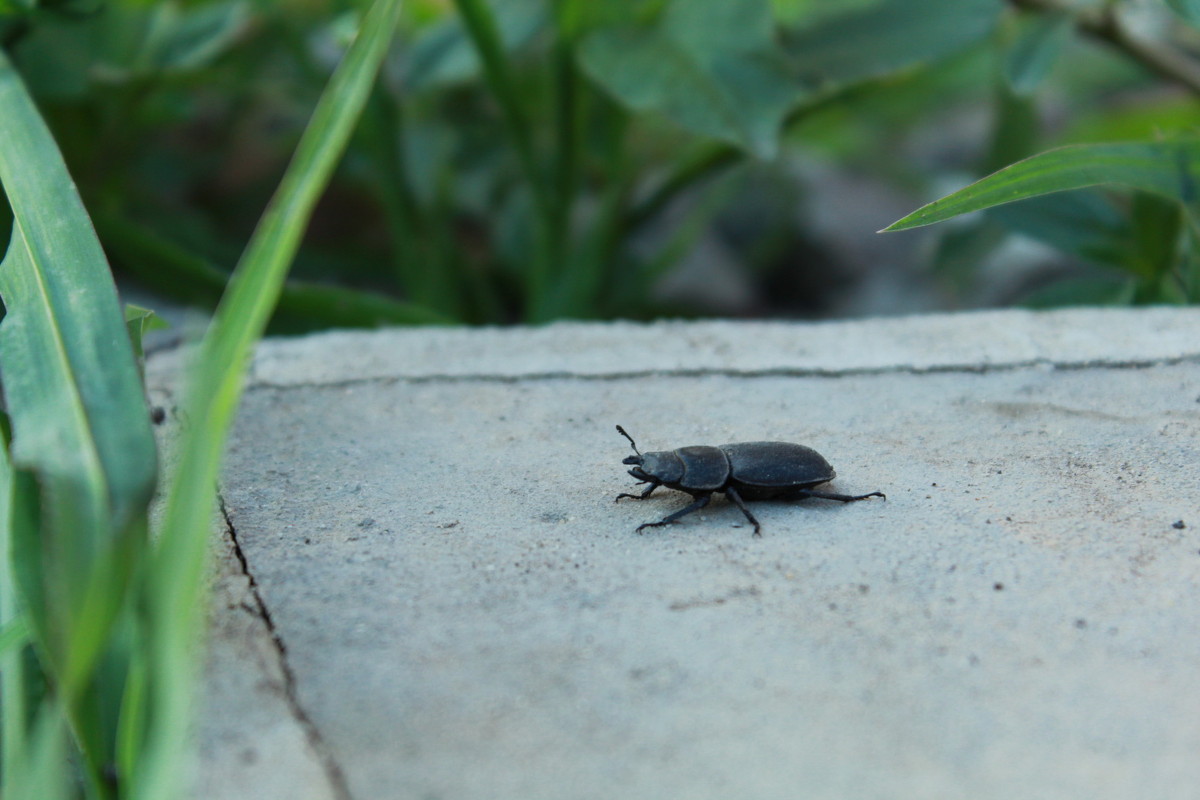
(427, 590)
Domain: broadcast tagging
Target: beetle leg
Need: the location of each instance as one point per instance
(845, 498)
(732, 494)
(641, 496)
(700, 503)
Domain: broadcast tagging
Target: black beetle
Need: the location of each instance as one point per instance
(745, 471)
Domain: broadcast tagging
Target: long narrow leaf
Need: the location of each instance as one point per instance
(1169, 169)
(171, 270)
(13, 636)
(69, 373)
(81, 444)
(216, 386)
(41, 772)
(15, 627)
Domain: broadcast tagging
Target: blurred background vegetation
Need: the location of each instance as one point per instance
(527, 160)
(515, 161)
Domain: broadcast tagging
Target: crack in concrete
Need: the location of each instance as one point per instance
(709, 372)
(329, 765)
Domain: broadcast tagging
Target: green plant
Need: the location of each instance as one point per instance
(535, 159)
(100, 622)
(511, 167)
(1155, 245)
(587, 164)
(1143, 228)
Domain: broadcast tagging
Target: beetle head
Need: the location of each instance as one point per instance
(664, 467)
(637, 471)
(637, 459)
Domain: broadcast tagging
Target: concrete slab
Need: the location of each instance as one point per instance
(459, 609)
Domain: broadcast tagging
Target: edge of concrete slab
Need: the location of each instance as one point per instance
(261, 737)
(1006, 339)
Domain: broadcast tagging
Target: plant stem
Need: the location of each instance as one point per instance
(566, 163)
(708, 161)
(381, 129)
(481, 26)
(1105, 24)
(425, 276)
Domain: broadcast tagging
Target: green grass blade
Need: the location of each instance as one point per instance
(13, 635)
(215, 390)
(1169, 169)
(69, 372)
(131, 725)
(172, 271)
(12, 678)
(42, 772)
(81, 438)
(331, 306)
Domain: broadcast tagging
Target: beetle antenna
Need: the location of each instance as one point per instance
(630, 438)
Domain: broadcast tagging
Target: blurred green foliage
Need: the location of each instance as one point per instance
(525, 160)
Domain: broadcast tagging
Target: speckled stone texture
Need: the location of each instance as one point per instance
(447, 603)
